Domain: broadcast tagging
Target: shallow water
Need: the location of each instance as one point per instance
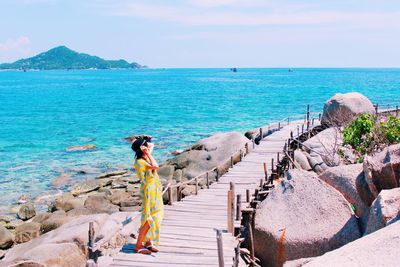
(43, 112)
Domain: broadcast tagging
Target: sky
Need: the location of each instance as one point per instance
(208, 33)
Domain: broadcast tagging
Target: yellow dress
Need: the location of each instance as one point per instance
(152, 200)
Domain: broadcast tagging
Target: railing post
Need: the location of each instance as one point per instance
(231, 161)
(197, 185)
(272, 165)
(319, 117)
(241, 156)
(238, 207)
(261, 133)
(376, 108)
(312, 123)
(265, 171)
(279, 125)
(288, 120)
(247, 195)
(170, 196)
(247, 148)
(217, 174)
(230, 211)
(302, 128)
(254, 143)
(208, 181)
(298, 130)
(220, 248)
(178, 193)
(92, 258)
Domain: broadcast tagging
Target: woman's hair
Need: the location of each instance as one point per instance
(136, 147)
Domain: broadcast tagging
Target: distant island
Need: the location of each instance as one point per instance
(62, 57)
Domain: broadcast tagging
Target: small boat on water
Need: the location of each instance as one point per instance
(290, 70)
(234, 69)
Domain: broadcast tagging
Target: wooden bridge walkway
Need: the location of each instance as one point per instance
(188, 237)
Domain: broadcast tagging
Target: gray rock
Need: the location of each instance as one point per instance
(316, 162)
(189, 190)
(344, 179)
(166, 171)
(342, 108)
(100, 204)
(384, 210)
(81, 148)
(85, 187)
(4, 219)
(50, 246)
(6, 238)
(302, 217)
(68, 202)
(54, 221)
(26, 211)
(51, 255)
(40, 218)
(302, 160)
(119, 196)
(380, 248)
(119, 183)
(382, 171)
(327, 145)
(26, 232)
(81, 211)
(208, 153)
(111, 174)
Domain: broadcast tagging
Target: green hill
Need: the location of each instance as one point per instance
(62, 57)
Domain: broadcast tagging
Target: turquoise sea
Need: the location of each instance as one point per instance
(43, 112)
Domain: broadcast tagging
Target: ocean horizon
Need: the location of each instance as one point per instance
(44, 112)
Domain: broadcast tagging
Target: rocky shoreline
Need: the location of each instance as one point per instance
(112, 192)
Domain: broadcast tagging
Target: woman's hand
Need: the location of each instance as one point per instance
(145, 150)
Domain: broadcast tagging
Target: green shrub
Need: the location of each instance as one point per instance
(360, 133)
(391, 129)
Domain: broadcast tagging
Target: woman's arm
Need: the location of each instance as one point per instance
(151, 163)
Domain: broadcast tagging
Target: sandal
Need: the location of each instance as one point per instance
(150, 247)
(144, 251)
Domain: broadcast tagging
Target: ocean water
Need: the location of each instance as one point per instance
(43, 112)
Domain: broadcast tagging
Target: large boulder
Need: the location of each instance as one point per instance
(101, 204)
(51, 255)
(380, 248)
(208, 153)
(6, 238)
(302, 217)
(382, 171)
(345, 179)
(53, 245)
(342, 108)
(26, 211)
(327, 148)
(384, 210)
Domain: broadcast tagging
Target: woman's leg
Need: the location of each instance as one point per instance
(142, 234)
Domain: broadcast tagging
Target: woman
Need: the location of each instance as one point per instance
(151, 195)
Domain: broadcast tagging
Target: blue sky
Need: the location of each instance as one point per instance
(208, 33)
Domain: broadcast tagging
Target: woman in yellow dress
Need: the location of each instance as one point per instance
(151, 195)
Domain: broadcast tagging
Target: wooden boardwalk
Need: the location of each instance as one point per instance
(188, 237)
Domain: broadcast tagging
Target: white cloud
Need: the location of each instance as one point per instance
(20, 43)
(15, 48)
(199, 17)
